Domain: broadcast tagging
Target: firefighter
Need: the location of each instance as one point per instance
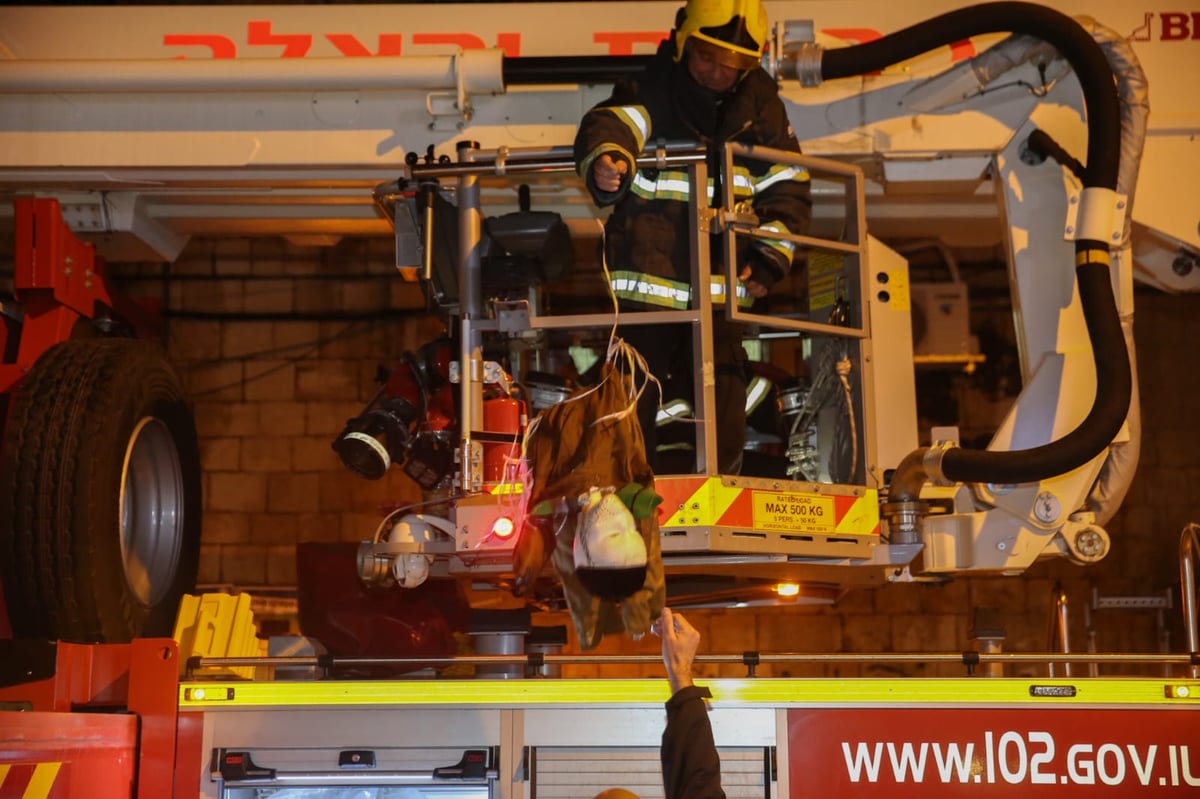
(691, 767)
(704, 84)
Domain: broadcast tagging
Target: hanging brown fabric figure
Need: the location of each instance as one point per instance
(594, 509)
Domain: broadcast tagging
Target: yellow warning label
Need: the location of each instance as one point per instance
(824, 269)
(899, 298)
(799, 513)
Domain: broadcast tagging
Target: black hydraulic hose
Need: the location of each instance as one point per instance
(1043, 144)
(527, 70)
(1114, 384)
(1085, 56)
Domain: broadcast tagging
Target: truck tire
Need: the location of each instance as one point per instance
(99, 495)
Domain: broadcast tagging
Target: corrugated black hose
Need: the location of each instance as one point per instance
(1114, 382)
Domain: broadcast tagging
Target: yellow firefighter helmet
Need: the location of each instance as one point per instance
(616, 793)
(734, 32)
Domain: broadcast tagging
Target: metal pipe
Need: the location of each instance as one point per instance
(470, 309)
(1093, 671)
(1059, 628)
(551, 159)
(1189, 551)
(477, 71)
(322, 661)
(703, 378)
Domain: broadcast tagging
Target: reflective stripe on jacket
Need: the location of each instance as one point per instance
(666, 293)
(675, 184)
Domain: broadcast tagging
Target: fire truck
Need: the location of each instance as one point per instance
(179, 120)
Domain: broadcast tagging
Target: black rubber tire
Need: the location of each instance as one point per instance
(100, 499)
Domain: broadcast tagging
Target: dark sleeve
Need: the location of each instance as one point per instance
(618, 126)
(786, 200)
(690, 764)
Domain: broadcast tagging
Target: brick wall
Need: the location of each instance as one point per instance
(279, 344)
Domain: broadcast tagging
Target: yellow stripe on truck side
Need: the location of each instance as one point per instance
(42, 781)
(762, 692)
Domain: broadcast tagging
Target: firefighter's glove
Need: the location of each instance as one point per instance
(759, 267)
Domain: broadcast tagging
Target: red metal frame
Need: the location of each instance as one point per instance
(141, 678)
(68, 756)
(59, 280)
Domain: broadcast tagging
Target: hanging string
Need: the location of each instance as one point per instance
(628, 364)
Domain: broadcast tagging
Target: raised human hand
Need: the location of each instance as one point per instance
(607, 172)
(680, 640)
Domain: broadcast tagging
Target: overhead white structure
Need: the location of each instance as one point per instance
(153, 124)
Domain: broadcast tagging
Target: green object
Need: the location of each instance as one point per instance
(640, 500)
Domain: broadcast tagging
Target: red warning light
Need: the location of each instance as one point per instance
(503, 527)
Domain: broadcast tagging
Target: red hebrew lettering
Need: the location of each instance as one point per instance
(1174, 26)
(467, 41)
(295, 45)
(622, 42)
(1142, 32)
(510, 43)
(349, 45)
(221, 46)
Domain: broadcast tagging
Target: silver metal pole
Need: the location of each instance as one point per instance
(1189, 551)
(704, 370)
(1059, 628)
(470, 308)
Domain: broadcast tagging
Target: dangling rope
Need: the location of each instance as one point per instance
(628, 366)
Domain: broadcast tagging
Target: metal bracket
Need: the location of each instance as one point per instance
(456, 106)
(1096, 214)
(492, 373)
(85, 213)
(513, 317)
(446, 112)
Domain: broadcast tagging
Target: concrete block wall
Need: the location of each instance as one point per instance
(278, 345)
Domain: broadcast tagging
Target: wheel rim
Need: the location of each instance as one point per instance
(152, 512)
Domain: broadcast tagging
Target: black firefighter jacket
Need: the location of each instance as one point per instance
(691, 767)
(646, 237)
